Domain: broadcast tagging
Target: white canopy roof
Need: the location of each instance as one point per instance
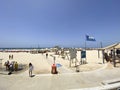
(116, 46)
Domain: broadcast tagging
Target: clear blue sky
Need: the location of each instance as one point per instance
(29, 23)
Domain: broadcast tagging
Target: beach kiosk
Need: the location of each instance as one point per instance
(114, 52)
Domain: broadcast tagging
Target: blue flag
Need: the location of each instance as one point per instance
(89, 38)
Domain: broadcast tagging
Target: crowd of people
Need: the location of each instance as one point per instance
(11, 66)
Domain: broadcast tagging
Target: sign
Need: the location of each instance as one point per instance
(83, 54)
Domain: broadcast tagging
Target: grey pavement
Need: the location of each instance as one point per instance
(70, 81)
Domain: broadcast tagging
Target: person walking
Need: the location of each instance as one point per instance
(30, 69)
(46, 55)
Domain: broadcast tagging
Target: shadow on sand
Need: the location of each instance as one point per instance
(32, 76)
(4, 73)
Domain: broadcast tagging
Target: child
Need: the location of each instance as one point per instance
(30, 69)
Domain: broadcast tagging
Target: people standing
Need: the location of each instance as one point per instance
(10, 68)
(16, 66)
(7, 65)
(30, 69)
(46, 55)
(11, 56)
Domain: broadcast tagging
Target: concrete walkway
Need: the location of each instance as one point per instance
(64, 81)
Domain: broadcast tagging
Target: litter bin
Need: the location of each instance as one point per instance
(54, 69)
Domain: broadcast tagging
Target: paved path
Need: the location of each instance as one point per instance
(59, 81)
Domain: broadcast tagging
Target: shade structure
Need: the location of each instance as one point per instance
(113, 46)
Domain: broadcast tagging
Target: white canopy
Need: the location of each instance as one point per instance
(115, 46)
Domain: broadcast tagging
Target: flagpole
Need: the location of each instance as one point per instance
(85, 45)
(85, 49)
(101, 45)
(85, 42)
(99, 49)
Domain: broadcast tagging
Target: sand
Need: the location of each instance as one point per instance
(43, 65)
(39, 62)
(91, 74)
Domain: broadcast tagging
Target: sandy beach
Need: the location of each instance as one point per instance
(92, 75)
(42, 65)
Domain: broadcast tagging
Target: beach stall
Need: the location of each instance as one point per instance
(113, 52)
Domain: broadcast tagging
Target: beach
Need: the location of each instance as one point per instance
(42, 65)
(92, 75)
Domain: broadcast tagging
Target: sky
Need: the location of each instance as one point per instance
(46, 23)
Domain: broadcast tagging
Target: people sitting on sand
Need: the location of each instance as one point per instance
(30, 69)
